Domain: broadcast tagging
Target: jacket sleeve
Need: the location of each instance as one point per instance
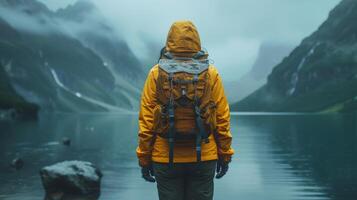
(147, 105)
(223, 136)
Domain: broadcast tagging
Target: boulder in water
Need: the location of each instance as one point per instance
(17, 163)
(66, 141)
(70, 180)
(9, 114)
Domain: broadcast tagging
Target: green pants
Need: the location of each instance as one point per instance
(185, 181)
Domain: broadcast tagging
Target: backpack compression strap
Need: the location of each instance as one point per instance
(199, 122)
(171, 131)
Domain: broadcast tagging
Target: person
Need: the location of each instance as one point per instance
(184, 120)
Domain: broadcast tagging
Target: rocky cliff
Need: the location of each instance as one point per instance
(270, 54)
(319, 75)
(65, 61)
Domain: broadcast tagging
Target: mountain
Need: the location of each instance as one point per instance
(30, 7)
(85, 22)
(100, 37)
(48, 63)
(269, 55)
(320, 75)
(11, 102)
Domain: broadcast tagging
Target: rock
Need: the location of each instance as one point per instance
(70, 180)
(66, 141)
(17, 163)
(9, 114)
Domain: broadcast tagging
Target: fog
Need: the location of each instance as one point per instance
(23, 22)
(231, 30)
(40, 23)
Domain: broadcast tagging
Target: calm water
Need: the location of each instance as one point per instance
(278, 157)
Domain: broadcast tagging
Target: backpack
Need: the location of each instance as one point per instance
(185, 110)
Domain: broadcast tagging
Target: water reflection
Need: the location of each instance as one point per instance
(278, 157)
(315, 154)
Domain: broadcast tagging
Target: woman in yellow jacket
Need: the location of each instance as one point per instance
(184, 169)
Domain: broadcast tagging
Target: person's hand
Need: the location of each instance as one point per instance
(148, 173)
(222, 168)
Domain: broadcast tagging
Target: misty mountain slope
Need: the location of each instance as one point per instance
(269, 56)
(88, 25)
(51, 67)
(9, 99)
(96, 34)
(319, 75)
(31, 7)
(30, 61)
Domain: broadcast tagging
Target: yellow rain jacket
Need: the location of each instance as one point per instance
(182, 38)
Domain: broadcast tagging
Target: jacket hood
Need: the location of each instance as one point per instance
(183, 38)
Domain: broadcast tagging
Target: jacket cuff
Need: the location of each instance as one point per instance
(225, 158)
(144, 162)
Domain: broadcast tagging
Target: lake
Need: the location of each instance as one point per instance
(278, 157)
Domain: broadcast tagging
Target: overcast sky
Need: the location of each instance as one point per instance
(231, 30)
